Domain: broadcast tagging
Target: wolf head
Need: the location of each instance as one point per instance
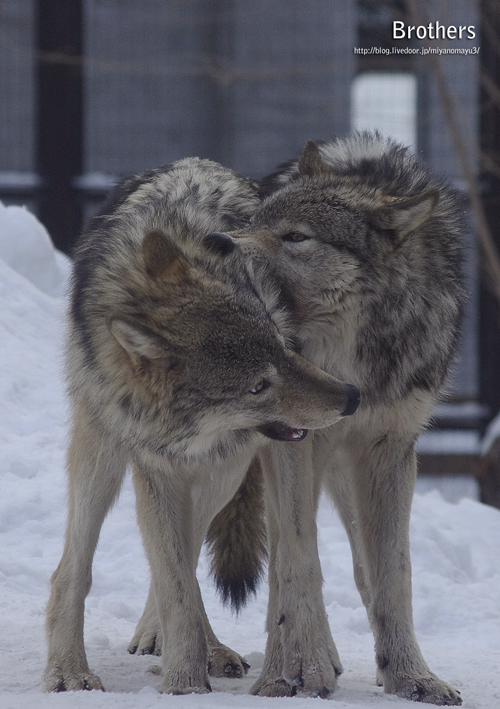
(171, 345)
(363, 244)
(319, 233)
(200, 350)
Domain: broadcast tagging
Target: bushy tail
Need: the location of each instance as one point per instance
(237, 541)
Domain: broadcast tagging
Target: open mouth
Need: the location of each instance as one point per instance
(280, 432)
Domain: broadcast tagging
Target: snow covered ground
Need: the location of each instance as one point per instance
(455, 547)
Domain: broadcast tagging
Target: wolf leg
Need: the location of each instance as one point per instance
(222, 661)
(96, 470)
(301, 655)
(271, 682)
(147, 638)
(165, 515)
(384, 483)
(339, 484)
(230, 537)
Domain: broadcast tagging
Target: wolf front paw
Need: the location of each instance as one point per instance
(185, 686)
(315, 683)
(56, 679)
(186, 675)
(313, 673)
(181, 689)
(427, 689)
(224, 662)
(270, 687)
(313, 687)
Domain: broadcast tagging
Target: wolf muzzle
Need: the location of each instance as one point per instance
(279, 432)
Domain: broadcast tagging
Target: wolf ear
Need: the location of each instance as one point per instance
(137, 340)
(142, 343)
(162, 256)
(310, 161)
(404, 215)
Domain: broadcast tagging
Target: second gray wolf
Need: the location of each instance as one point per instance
(176, 367)
(364, 245)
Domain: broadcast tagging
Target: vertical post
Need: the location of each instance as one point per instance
(489, 322)
(59, 122)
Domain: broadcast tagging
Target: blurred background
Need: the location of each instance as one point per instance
(93, 90)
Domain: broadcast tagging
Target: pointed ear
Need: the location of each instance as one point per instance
(162, 257)
(137, 340)
(310, 161)
(404, 215)
(142, 344)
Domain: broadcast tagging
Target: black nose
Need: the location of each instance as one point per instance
(353, 398)
(219, 243)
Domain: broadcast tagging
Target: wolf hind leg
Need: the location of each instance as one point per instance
(147, 638)
(96, 468)
(222, 660)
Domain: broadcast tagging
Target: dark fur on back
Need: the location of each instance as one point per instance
(228, 205)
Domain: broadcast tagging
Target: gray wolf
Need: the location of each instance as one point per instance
(176, 367)
(363, 243)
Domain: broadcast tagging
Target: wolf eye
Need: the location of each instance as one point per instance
(260, 386)
(295, 236)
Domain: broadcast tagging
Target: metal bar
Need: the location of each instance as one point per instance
(59, 120)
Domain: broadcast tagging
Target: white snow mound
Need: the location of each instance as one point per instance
(26, 247)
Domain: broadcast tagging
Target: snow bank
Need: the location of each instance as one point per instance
(26, 247)
(456, 562)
